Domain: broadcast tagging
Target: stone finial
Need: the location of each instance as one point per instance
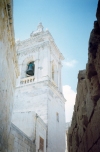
(40, 27)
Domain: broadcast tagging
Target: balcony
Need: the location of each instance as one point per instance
(27, 80)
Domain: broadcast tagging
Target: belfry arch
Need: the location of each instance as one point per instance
(25, 64)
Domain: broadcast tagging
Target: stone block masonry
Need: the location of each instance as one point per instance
(19, 142)
(84, 133)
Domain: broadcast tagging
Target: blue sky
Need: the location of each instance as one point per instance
(70, 23)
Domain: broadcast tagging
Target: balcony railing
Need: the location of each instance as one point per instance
(27, 80)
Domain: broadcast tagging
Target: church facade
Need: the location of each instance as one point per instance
(39, 106)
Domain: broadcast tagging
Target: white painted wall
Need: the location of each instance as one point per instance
(26, 122)
(32, 97)
(56, 129)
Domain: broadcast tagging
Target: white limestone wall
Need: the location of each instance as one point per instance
(26, 122)
(56, 128)
(32, 126)
(8, 71)
(46, 103)
(32, 97)
(19, 142)
(43, 63)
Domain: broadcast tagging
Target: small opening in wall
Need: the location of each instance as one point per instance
(57, 116)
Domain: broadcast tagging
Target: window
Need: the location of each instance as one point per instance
(41, 146)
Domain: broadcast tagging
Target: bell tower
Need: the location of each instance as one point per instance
(39, 87)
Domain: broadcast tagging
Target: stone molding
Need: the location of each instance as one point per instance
(33, 48)
(27, 46)
(47, 83)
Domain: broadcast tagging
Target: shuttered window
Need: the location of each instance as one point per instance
(41, 144)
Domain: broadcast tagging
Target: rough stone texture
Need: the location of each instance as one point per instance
(84, 133)
(8, 71)
(67, 127)
(19, 142)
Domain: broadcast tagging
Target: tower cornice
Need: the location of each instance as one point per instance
(48, 83)
(38, 40)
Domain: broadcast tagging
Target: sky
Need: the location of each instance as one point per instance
(70, 23)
